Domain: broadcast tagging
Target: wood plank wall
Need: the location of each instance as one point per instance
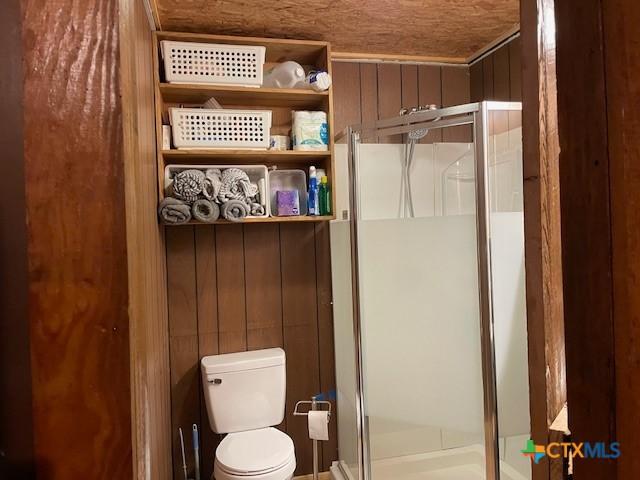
(245, 287)
(148, 326)
(499, 75)
(77, 270)
(365, 92)
(598, 102)
(16, 422)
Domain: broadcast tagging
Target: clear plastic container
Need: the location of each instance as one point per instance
(288, 180)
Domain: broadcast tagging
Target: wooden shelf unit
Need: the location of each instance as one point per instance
(281, 102)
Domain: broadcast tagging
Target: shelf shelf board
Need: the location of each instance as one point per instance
(244, 156)
(245, 96)
(305, 219)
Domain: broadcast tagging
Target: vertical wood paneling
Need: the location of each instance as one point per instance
(263, 286)
(207, 302)
(515, 69)
(346, 97)
(430, 93)
(620, 20)
(455, 91)
(325, 335)
(300, 320)
(477, 82)
(409, 87)
(487, 78)
(182, 301)
(389, 96)
(368, 94)
(16, 419)
(586, 229)
(501, 75)
(232, 320)
(77, 271)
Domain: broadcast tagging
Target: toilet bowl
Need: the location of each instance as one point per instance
(264, 454)
(245, 397)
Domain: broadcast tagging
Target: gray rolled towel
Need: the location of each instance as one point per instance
(173, 211)
(188, 184)
(212, 184)
(257, 210)
(205, 211)
(235, 210)
(236, 186)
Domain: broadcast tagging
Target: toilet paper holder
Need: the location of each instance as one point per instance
(313, 406)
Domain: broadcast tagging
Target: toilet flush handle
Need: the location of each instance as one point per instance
(216, 381)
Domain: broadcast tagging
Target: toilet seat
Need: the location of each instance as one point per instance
(264, 454)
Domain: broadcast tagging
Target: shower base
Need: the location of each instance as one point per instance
(464, 463)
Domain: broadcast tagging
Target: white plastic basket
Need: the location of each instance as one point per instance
(215, 64)
(255, 173)
(204, 128)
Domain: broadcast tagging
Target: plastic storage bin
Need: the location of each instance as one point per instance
(255, 173)
(204, 128)
(212, 63)
(288, 180)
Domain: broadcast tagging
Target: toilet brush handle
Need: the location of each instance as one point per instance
(196, 450)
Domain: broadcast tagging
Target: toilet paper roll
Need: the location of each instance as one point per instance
(319, 425)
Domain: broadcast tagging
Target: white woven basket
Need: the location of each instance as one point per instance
(215, 64)
(204, 128)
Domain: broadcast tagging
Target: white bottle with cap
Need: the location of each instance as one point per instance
(285, 75)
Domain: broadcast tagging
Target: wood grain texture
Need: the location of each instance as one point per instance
(622, 65)
(499, 75)
(16, 421)
(368, 95)
(326, 352)
(543, 263)
(78, 297)
(383, 27)
(149, 331)
(232, 315)
(430, 93)
(346, 91)
(584, 167)
(456, 90)
(300, 321)
(389, 96)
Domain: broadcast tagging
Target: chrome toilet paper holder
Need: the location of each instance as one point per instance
(313, 406)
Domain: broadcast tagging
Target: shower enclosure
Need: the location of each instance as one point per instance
(429, 300)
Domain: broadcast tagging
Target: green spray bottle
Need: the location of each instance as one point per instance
(324, 197)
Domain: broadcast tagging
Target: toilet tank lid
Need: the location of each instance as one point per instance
(236, 362)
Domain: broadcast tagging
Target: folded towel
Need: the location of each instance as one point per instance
(188, 184)
(205, 211)
(257, 210)
(235, 210)
(236, 186)
(173, 211)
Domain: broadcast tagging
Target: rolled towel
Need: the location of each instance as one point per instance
(257, 210)
(188, 184)
(212, 184)
(236, 186)
(205, 211)
(173, 211)
(235, 210)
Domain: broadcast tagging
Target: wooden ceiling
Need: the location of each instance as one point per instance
(446, 30)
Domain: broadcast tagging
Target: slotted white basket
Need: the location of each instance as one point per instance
(204, 128)
(215, 64)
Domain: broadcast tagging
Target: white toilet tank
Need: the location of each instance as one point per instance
(245, 390)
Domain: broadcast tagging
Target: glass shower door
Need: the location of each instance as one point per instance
(418, 307)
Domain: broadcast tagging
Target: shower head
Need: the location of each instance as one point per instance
(421, 133)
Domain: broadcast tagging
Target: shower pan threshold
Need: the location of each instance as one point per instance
(463, 463)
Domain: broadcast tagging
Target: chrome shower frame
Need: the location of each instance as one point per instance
(476, 115)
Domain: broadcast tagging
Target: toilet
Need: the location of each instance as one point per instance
(245, 397)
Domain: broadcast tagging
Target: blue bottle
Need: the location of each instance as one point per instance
(313, 192)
